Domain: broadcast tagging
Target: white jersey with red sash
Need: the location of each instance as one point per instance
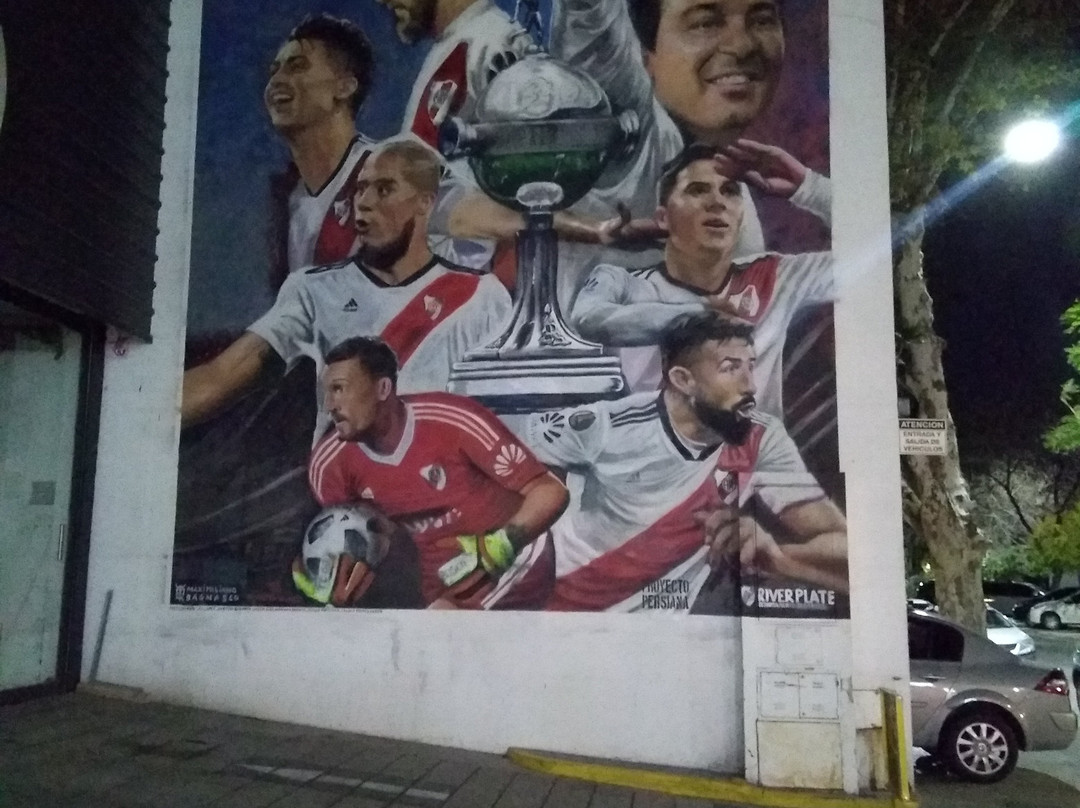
(629, 309)
(456, 471)
(632, 533)
(478, 44)
(431, 320)
(321, 227)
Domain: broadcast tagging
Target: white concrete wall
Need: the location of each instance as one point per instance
(648, 688)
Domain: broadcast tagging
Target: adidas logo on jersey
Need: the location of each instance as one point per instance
(433, 306)
(367, 493)
(351, 305)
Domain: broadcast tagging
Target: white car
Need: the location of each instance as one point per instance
(1004, 633)
(1053, 614)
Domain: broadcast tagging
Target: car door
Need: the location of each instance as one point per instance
(935, 651)
(1070, 609)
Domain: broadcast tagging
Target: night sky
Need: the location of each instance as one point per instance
(1002, 266)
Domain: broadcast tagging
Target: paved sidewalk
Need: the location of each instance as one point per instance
(83, 751)
(86, 751)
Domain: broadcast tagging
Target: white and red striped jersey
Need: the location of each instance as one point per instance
(456, 471)
(478, 44)
(430, 321)
(321, 227)
(629, 308)
(631, 532)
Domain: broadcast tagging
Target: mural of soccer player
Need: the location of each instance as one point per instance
(693, 72)
(476, 501)
(701, 209)
(318, 80)
(429, 312)
(657, 507)
(472, 41)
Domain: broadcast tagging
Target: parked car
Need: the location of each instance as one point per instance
(1022, 610)
(1004, 633)
(1002, 595)
(1053, 614)
(975, 706)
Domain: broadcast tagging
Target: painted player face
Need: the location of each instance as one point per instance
(415, 18)
(721, 388)
(390, 212)
(716, 63)
(353, 398)
(305, 87)
(703, 212)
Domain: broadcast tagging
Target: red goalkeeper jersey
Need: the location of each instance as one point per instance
(457, 470)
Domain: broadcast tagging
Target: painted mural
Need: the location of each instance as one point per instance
(512, 305)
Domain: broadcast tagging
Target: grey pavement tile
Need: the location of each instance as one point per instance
(692, 802)
(612, 797)
(569, 794)
(653, 799)
(408, 768)
(253, 794)
(447, 775)
(369, 760)
(526, 790)
(362, 801)
(309, 798)
(481, 790)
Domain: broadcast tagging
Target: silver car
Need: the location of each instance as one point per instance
(975, 705)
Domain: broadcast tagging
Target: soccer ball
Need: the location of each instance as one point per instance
(357, 530)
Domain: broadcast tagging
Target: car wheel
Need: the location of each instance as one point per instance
(1050, 620)
(979, 746)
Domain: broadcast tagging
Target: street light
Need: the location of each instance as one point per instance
(1032, 141)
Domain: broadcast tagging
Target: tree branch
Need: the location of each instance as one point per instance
(997, 14)
(950, 23)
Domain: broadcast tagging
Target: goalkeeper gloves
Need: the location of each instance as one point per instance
(470, 575)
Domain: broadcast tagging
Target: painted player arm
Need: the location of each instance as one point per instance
(597, 37)
(818, 556)
(544, 499)
(471, 214)
(774, 171)
(806, 279)
(210, 386)
(276, 336)
(606, 311)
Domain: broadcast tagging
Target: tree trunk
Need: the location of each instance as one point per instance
(936, 502)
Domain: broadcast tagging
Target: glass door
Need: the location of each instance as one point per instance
(40, 366)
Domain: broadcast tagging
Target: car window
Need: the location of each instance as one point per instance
(995, 619)
(933, 641)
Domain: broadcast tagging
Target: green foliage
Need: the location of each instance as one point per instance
(1065, 436)
(959, 72)
(1010, 562)
(1055, 543)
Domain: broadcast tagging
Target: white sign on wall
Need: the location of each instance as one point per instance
(922, 436)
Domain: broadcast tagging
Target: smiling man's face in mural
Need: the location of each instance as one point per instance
(306, 85)
(414, 17)
(716, 63)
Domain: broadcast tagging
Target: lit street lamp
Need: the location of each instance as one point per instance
(1032, 141)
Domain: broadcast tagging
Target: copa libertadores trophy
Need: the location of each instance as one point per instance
(542, 135)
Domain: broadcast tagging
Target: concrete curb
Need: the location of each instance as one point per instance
(685, 784)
